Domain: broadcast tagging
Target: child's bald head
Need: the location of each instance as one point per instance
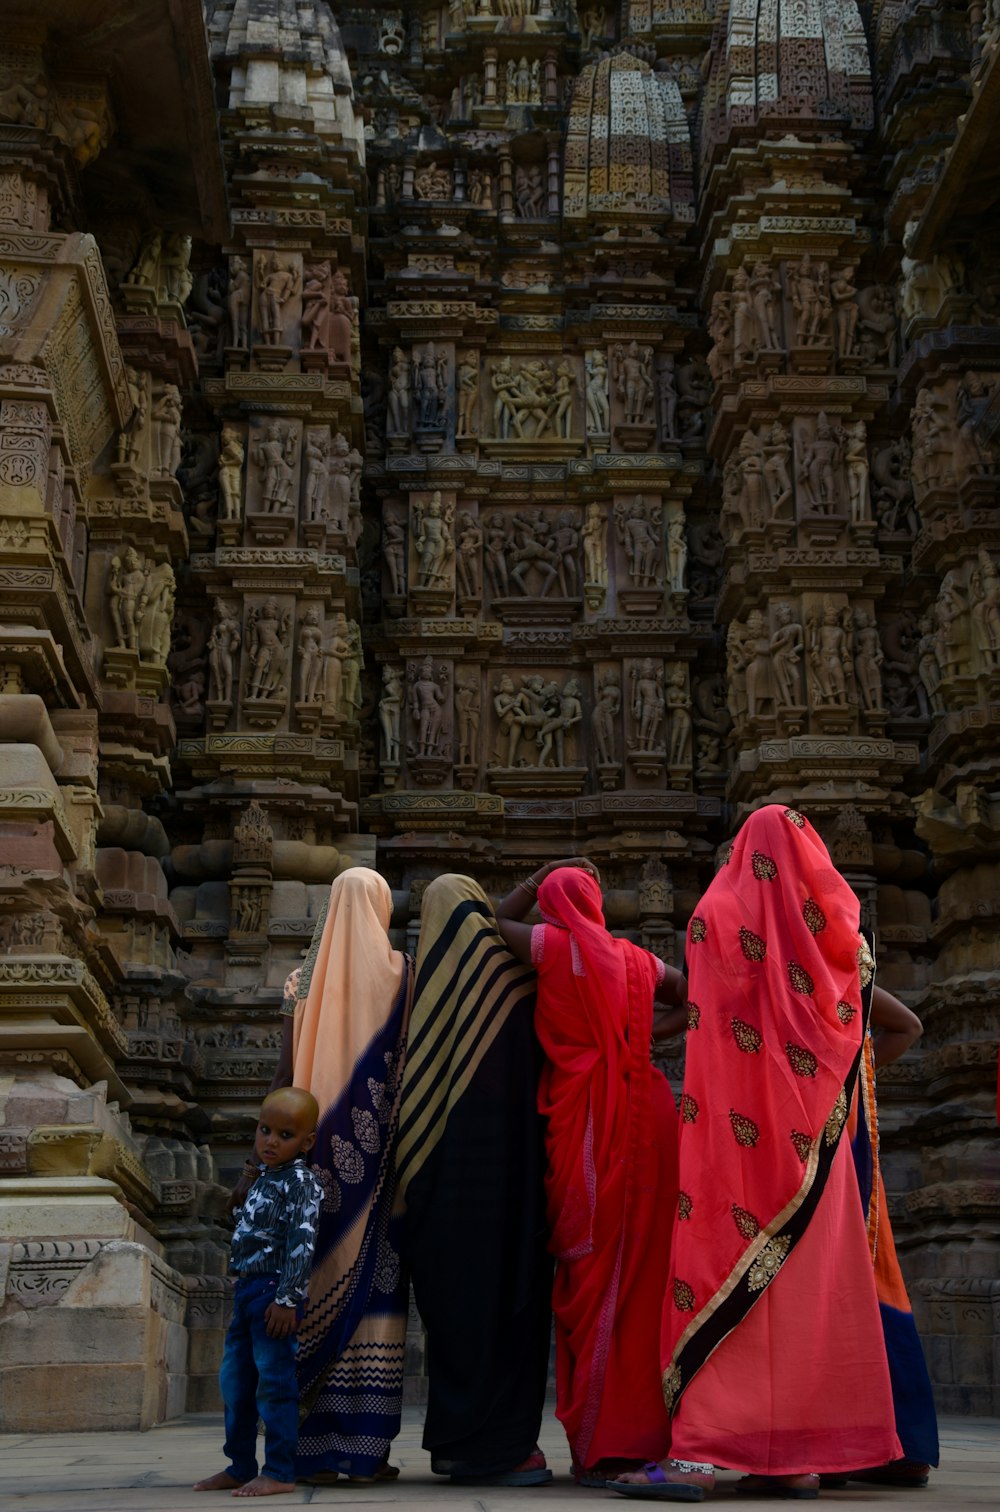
(286, 1125)
(295, 1099)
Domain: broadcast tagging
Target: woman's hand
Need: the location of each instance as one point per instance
(581, 862)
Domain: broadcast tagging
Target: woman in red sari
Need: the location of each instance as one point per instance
(611, 1139)
(772, 1349)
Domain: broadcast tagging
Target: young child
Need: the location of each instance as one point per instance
(272, 1253)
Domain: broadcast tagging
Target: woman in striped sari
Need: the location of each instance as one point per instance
(345, 1040)
(470, 1169)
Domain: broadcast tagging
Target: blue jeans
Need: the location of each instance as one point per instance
(258, 1380)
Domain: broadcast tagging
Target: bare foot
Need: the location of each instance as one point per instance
(221, 1482)
(263, 1485)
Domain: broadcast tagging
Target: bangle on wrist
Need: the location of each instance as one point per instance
(530, 886)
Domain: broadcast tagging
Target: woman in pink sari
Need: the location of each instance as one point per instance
(772, 1349)
(611, 1138)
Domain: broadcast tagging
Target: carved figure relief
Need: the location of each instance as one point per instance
(223, 645)
(891, 469)
(238, 301)
(127, 593)
(534, 402)
(638, 523)
(598, 401)
(820, 474)
(434, 541)
(829, 656)
(130, 440)
(809, 287)
(310, 655)
(984, 602)
(277, 287)
(607, 712)
(166, 418)
(468, 557)
(231, 458)
(274, 457)
(678, 716)
(390, 713)
(529, 191)
(467, 715)
(398, 404)
(426, 703)
(648, 705)
(595, 545)
(467, 383)
(394, 552)
(632, 375)
(868, 659)
(268, 639)
(786, 647)
(429, 387)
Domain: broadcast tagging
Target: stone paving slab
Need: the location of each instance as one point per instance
(153, 1472)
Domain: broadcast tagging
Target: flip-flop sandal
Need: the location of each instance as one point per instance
(505, 1478)
(659, 1488)
(533, 1472)
(775, 1486)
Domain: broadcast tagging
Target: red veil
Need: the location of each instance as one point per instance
(779, 989)
(611, 1180)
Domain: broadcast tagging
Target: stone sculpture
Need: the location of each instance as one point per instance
(223, 644)
(274, 456)
(166, 418)
(467, 380)
(310, 652)
(398, 408)
(231, 458)
(467, 715)
(632, 374)
(638, 525)
(598, 402)
(427, 702)
(434, 541)
(606, 715)
(268, 637)
(127, 592)
(648, 704)
(278, 283)
(390, 713)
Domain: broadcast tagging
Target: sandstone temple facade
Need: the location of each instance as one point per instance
(445, 435)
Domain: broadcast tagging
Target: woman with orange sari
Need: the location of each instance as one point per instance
(345, 1040)
(772, 1350)
(610, 1143)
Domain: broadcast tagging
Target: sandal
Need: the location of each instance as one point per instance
(670, 1484)
(784, 1487)
(902, 1473)
(531, 1472)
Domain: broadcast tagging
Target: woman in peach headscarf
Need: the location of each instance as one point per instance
(344, 1040)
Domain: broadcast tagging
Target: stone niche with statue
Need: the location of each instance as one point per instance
(403, 463)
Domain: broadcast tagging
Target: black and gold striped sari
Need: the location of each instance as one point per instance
(470, 1171)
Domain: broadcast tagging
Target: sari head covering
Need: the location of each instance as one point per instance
(779, 989)
(350, 1005)
(610, 1144)
(470, 1166)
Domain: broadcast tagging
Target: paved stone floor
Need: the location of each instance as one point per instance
(152, 1472)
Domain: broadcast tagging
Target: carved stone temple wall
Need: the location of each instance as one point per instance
(445, 437)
